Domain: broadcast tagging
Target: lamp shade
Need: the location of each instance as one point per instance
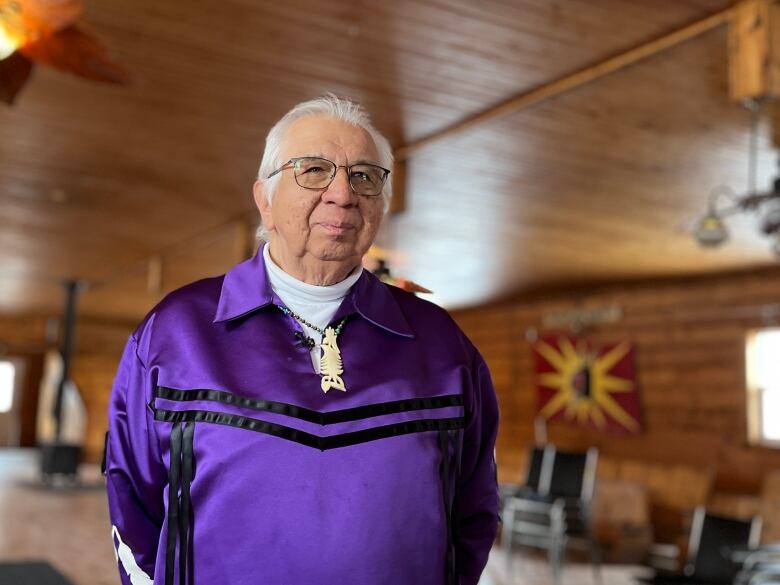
(711, 231)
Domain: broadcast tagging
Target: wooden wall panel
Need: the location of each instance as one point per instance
(94, 375)
(28, 411)
(690, 357)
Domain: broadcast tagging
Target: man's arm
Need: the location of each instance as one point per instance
(477, 511)
(135, 473)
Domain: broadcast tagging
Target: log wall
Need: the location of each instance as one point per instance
(689, 337)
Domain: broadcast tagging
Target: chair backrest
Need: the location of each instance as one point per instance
(573, 475)
(535, 462)
(713, 539)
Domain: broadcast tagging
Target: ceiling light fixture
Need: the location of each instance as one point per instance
(48, 32)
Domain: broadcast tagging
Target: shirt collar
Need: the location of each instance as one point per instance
(246, 288)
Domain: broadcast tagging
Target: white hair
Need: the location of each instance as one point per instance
(328, 106)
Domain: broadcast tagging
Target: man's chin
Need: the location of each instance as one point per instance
(337, 252)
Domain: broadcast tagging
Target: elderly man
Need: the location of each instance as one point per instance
(296, 421)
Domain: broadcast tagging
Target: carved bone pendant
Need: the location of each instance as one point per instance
(330, 363)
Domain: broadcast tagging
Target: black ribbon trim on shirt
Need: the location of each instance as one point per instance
(308, 439)
(185, 506)
(174, 474)
(179, 509)
(449, 470)
(444, 470)
(308, 415)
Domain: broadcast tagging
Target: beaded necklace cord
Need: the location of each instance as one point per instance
(303, 321)
(331, 366)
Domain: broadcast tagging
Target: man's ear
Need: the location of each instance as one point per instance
(263, 206)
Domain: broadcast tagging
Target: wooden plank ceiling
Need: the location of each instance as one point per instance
(590, 186)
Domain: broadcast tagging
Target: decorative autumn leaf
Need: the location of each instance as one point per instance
(77, 52)
(14, 72)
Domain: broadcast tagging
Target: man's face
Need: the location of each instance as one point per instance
(326, 225)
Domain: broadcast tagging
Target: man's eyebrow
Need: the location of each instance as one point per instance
(316, 155)
(360, 161)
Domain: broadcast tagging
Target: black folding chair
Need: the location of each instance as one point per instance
(712, 543)
(758, 565)
(558, 514)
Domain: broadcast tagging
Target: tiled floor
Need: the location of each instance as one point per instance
(532, 569)
(68, 527)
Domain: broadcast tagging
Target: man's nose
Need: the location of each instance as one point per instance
(339, 191)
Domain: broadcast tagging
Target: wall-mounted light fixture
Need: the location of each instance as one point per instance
(711, 231)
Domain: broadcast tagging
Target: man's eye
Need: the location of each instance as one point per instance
(360, 175)
(313, 170)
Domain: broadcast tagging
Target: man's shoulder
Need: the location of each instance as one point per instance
(413, 305)
(426, 318)
(195, 301)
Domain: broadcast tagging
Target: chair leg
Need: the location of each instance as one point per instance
(557, 541)
(506, 538)
(595, 558)
(555, 556)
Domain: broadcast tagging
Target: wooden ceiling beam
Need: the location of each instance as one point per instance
(754, 51)
(570, 82)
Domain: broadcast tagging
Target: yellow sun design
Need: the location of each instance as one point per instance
(570, 366)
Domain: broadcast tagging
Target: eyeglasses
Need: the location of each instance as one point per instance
(313, 172)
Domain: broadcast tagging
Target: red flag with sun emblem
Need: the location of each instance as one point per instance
(589, 384)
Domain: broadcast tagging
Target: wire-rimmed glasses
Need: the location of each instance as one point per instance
(313, 172)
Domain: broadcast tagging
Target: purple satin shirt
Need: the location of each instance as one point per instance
(227, 464)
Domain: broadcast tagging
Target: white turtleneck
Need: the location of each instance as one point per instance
(316, 304)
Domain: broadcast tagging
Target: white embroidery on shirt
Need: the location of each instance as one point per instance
(126, 557)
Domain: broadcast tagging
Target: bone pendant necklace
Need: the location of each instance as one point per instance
(331, 366)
